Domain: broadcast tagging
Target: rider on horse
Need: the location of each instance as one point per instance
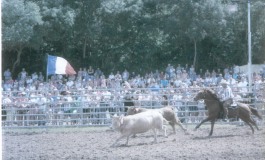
(226, 96)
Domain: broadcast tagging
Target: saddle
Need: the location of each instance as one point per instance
(233, 105)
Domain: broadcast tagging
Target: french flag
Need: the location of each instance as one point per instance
(58, 65)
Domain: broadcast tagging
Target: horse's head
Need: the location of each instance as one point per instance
(206, 94)
(200, 95)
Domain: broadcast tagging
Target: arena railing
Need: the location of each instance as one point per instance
(95, 107)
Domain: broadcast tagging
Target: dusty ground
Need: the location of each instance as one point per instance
(228, 142)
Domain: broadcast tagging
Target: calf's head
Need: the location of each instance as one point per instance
(117, 121)
(132, 110)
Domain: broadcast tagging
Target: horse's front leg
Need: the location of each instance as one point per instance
(212, 125)
(203, 121)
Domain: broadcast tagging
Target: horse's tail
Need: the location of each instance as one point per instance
(255, 112)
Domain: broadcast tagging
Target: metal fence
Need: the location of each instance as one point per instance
(95, 107)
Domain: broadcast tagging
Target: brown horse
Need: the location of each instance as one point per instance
(214, 106)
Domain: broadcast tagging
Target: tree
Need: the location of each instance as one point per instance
(258, 31)
(139, 35)
(57, 29)
(19, 20)
(87, 28)
(205, 19)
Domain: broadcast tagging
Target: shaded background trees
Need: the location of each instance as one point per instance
(137, 35)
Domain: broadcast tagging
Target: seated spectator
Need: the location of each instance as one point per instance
(23, 74)
(103, 82)
(40, 87)
(242, 86)
(164, 83)
(178, 68)
(32, 87)
(162, 75)
(118, 79)
(207, 81)
(154, 86)
(156, 74)
(192, 73)
(219, 78)
(7, 75)
(187, 68)
(184, 75)
(8, 85)
(90, 71)
(80, 72)
(70, 83)
(199, 80)
(168, 69)
(218, 72)
(125, 75)
(84, 74)
(231, 81)
(207, 73)
(194, 86)
(227, 75)
(98, 73)
(41, 77)
(214, 80)
(15, 85)
(176, 82)
(235, 76)
(201, 73)
(34, 76)
(213, 74)
(111, 76)
(29, 80)
(235, 69)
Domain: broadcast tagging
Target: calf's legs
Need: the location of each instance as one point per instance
(155, 135)
(127, 141)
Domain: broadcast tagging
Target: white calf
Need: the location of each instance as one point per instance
(167, 112)
(138, 123)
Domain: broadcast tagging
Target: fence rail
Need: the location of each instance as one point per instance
(87, 110)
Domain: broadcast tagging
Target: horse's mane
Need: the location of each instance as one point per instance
(212, 94)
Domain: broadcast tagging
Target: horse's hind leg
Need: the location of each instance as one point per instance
(248, 122)
(250, 127)
(253, 122)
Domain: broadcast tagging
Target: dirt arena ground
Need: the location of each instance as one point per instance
(229, 142)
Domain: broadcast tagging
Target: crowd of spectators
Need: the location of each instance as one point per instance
(171, 77)
(173, 85)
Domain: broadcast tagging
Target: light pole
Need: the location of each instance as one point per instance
(249, 50)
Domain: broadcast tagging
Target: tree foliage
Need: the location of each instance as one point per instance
(137, 35)
(19, 21)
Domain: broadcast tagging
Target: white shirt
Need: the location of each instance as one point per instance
(242, 85)
(226, 93)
